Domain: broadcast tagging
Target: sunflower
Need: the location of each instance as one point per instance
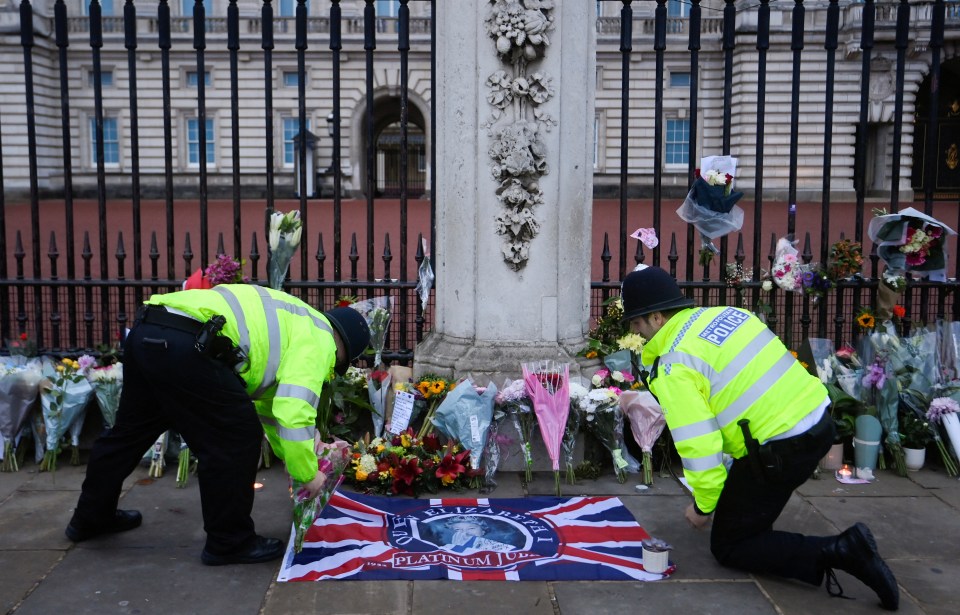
(866, 320)
(424, 387)
(437, 387)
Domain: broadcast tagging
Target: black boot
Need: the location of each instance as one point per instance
(855, 551)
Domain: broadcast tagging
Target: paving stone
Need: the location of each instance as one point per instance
(886, 483)
(147, 581)
(340, 598)
(796, 598)
(36, 519)
(929, 581)
(483, 597)
(662, 597)
(903, 527)
(938, 484)
(21, 571)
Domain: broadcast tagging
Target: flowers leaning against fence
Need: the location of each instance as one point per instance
(943, 412)
(515, 401)
(18, 394)
(225, 270)
(603, 418)
(284, 238)
(64, 393)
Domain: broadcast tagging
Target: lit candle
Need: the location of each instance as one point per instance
(845, 471)
(257, 486)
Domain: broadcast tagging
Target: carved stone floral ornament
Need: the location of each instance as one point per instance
(520, 30)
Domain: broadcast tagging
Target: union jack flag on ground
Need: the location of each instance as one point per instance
(367, 537)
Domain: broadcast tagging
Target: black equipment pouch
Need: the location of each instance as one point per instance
(211, 344)
(764, 461)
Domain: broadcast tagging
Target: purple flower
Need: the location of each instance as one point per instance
(876, 376)
(941, 406)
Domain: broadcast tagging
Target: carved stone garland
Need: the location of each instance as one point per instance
(519, 155)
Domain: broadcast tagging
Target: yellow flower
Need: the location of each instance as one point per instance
(632, 342)
(60, 368)
(380, 448)
(865, 320)
(437, 387)
(65, 361)
(361, 475)
(424, 387)
(591, 354)
(405, 440)
(447, 479)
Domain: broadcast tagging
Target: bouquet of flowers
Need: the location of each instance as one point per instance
(816, 283)
(23, 346)
(425, 276)
(787, 269)
(846, 260)
(465, 415)
(515, 401)
(64, 393)
(915, 432)
(378, 388)
(225, 270)
(157, 455)
(19, 383)
(284, 237)
(548, 385)
(107, 384)
(332, 460)
(943, 411)
(577, 393)
(408, 465)
(432, 389)
(376, 311)
(711, 203)
(603, 339)
(646, 424)
(910, 240)
(603, 418)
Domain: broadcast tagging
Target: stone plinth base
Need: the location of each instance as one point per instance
(491, 361)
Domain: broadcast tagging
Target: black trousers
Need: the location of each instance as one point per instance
(167, 385)
(743, 536)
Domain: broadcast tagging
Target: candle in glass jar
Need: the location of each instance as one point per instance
(845, 471)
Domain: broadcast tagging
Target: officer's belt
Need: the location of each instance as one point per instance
(157, 315)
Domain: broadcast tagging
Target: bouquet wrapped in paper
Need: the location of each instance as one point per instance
(19, 382)
(283, 240)
(514, 400)
(788, 270)
(646, 423)
(425, 276)
(376, 312)
(492, 452)
(465, 415)
(910, 240)
(378, 390)
(64, 393)
(548, 385)
(578, 393)
(107, 384)
(603, 418)
(710, 205)
(332, 459)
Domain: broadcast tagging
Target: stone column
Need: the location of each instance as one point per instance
(497, 307)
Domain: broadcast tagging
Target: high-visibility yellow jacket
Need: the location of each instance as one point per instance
(291, 354)
(714, 367)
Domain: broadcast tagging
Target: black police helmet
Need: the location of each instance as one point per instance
(650, 290)
(353, 330)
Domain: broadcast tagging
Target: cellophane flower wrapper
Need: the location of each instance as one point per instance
(19, 387)
(513, 400)
(548, 385)
(332, 460)
(107, 385)
(378, 391)
(712, 209)
(891, 234)
(574, 421)
(425, 277)
(491, 452)
(646, 423)
(63, 399)
(376, 312)
(788, 269)
(603, 418)
(283, 241)
(948, 353)
(465, 415)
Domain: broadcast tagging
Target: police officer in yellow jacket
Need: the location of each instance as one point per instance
(221, 367)
(727, 384)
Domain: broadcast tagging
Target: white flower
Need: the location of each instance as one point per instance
(617, 376)
(596, 380)
(767, 285)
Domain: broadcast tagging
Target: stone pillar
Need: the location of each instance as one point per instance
(497, 307)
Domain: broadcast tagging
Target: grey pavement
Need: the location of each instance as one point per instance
(156, 568)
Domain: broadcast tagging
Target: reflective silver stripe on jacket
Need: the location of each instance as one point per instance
(718, 380)
(297, 434)
(271, 307)
(699, 464)
(683, 331)
(298, 392)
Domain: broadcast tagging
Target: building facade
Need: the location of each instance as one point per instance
(190, 71)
